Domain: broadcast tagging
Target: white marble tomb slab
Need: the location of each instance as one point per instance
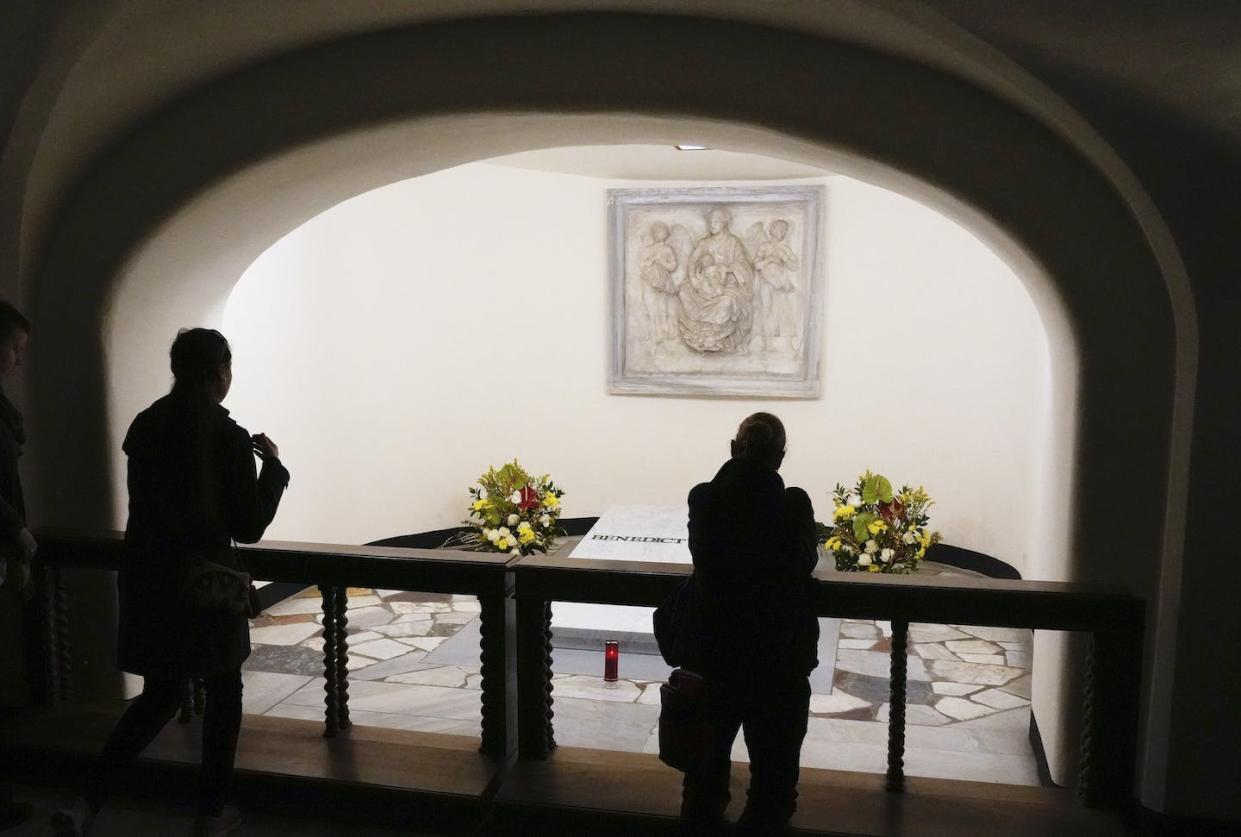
(638, 533)
(658, 534)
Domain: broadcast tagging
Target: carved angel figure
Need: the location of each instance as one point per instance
(657, 268)
(776, 264)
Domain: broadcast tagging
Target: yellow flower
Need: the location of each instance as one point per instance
(873, 568)
(877, 526)
(925, 539)
(834, 543)
(479, 505)
(845, 512)
(551, 501)
(921, 552)
(526, 535)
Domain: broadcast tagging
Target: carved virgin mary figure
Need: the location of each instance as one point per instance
(717, 309)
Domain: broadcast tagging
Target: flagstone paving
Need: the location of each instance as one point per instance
(968, 701)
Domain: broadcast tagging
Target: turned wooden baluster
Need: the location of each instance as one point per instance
(58, 650)
(1123, 647)
(60, 597)
(51, 641)
(548, 714)
(342, 658)
(491, 658)
(331, 699)
(1087, 786)
(896, 707)
(1110, 722)
(534, 676)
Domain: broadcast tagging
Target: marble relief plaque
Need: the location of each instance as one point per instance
(716, 291)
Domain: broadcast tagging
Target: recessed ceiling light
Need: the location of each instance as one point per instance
(688, 147)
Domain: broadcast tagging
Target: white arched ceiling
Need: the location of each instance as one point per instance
(210, 181)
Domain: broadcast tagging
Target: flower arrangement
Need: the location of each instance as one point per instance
(510, 511)
(878, 531)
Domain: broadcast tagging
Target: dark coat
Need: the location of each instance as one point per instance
(20, 658)
(754, 549)
(12, 500)
(193, 489)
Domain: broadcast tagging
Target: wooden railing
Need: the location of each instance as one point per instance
(1113, 618)
(333, 569)
(516, 651)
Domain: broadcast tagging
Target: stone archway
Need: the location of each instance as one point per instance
(281, 141)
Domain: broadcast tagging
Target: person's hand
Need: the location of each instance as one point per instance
(18, 569)
(19, 576)
(27, 546)
(264, 447)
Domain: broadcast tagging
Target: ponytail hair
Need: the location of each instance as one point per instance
(760, 437)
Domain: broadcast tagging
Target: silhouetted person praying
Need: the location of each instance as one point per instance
(755, 636)
(193, 490)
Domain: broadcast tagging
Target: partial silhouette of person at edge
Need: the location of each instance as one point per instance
(18, 616)
(753, 629)
(193, 489)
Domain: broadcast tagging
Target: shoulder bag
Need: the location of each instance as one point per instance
(686, 725)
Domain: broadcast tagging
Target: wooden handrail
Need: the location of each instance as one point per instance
(934, 599)
(386, 567)
(1112, 616)
(333, 568)
(516, 596)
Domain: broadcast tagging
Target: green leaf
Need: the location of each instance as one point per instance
(860, 522)
(877, 489)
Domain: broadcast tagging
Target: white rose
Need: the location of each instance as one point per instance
(886, 555)
(491, 535)
(855, 500)
(864, 561)
(515, 553)
(482, 493)
(505, 531)
(515, 496)
(512, 520)
(908, 537)
(546, 520)
(523, 526)
(871, 547)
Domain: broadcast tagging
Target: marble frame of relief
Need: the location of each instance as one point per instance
(716, 291)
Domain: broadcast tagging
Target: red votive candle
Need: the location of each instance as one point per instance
(611, 660)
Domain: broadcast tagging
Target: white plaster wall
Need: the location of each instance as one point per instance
(397, 344)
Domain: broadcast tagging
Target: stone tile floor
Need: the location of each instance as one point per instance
(968, 708)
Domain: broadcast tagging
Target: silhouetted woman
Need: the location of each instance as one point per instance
(755, 636)
(193, 489)
(17, 549)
